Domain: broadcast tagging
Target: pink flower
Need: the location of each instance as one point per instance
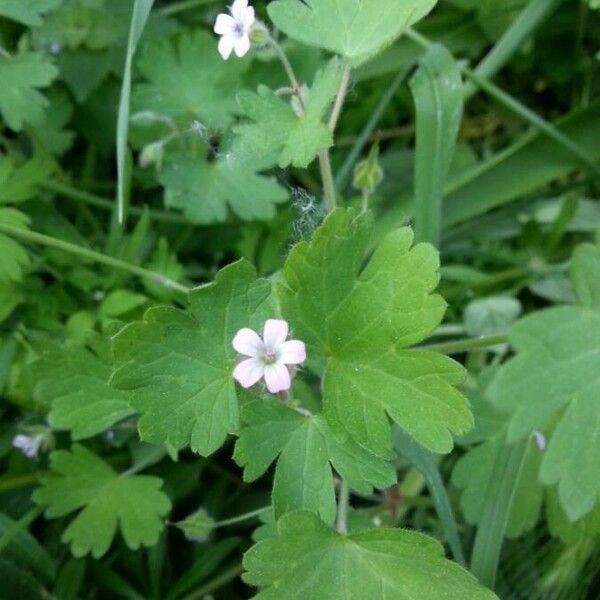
(234, 29)
(267, 357)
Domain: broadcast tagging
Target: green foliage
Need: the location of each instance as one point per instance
(304, 446)
(30, 12)
(18, 183)
(21, 76)
(354, 29)
(553, 383)
(383, 563)
(14, 257)
(133, 504)
(177, 365)
(187, 80)
(359, 324)
(205, 190)
(295, 136)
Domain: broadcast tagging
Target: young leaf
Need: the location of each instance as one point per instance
(188, 80)
(279, 130)
(438, 93)
(133, 504)
(554, 377)
(304, 446)
(73, 381)
(18, 183)
(21, 75)
(204, 190)
(308, 559)
(359, 324)
(355, 29)
(29, 13)
(178, 365)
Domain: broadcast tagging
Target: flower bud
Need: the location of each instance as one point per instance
(152, 154)
(259, 34)
(368, 174)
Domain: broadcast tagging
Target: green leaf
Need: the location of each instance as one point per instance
(19, 583)
(14, 257)
(178, 365)
(554, 379)
(308, 559)
(29, 13)
(18, 183)
(50, 135)
(359, 323)
(133, 504)
(585, 272)
(438, 93)
(304, 446)
(188, 80)
(21, 75)
(205, 190)
(73, 382)
(120, 302)
(295, 136)
(355, 29)
(491, 316)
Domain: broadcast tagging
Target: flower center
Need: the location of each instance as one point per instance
(238, 29)
(269, 356)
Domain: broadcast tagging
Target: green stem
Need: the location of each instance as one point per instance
(72, 193)
(216, 583)
(327, 177)
(18, 482)
(341, 523)
(340, 99)
(466, 345)
(21, 525)
(51, 242)
(287, 65)
(177, 7)
(241, 518)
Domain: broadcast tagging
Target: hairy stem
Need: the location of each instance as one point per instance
(327, 177)
(460, 346)
(340, 99)
(51, 242)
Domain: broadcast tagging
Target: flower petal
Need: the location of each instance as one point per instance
(277, 378)
(224, 25)
(238, 9)
(274, 333)
(226, 44)
(248, 18)
(247, 342)
(242, 45)
(293, 352)
(248, 372)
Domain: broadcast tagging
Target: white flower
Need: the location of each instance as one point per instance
(234, 29)
(267, 357)
(29, 445)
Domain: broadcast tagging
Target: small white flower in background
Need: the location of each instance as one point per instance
(29, 445)
(540, 440)
(267, 357)
(234, 29)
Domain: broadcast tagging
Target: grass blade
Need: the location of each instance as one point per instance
(141, 11)
(438, 94)
(498, 504)
(425, 462)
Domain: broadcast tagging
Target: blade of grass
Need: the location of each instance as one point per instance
(426, 463)
(438, 95)
(141, 12)
(498, 504)
(529, 19)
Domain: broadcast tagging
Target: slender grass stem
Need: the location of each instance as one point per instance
(340, 99)
(179, 7)
(21, 525)
(86, 253)
(327, 177)
(341, 523)
(240, 518)
(215, 583)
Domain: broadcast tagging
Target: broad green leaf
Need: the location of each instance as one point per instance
(120, 302)
(73, 382)
(108, 501)
(355, 29)
(296, 136)
(308, 559)
(491, 316)
(20, 100)
(14, 257)
(554, 379)
(438, 94)
(29, 12)
(187, 80)
(359, 323)
(204, 190)
(178, 364)
(18, 183)
(304, 446)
